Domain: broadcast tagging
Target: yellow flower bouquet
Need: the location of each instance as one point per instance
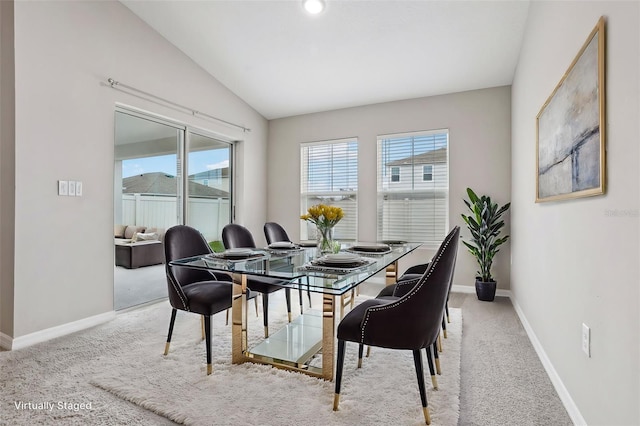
(325, 218)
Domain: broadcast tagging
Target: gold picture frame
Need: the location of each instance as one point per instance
(570, 128)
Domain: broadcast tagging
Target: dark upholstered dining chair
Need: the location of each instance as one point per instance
(414, 273)
(405, 283)
(410, 322)
(237, 236)
(274, 232)
(198, 291)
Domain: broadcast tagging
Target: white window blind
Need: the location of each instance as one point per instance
(329, 175)
(413, 187)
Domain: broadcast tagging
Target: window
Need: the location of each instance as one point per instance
(414, 208)
(427, 173)
(395, 174)
(329, 175)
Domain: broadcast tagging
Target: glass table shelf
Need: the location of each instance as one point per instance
(294, 344)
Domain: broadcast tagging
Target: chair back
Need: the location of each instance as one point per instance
(182, 241)
(237, 236)
(413, 321)
(273, 232)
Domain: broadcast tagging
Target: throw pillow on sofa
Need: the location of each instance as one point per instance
(130, 231)
(118, 231)
(159, 231)
(140, 236)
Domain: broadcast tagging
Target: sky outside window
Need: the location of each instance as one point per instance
(198, 162)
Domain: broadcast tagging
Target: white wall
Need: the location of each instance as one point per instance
(479, 135)
(577, 261)
(65, 130)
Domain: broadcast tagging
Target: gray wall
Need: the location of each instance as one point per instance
(65, 130)
(577, 261)
(7, 167)
(479, 124)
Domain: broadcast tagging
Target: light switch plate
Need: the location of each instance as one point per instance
(63, 187)
(79, 188)
(72, 188)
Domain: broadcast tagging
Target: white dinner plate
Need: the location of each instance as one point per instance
(282, 245)
(238, 251)
(340, 258)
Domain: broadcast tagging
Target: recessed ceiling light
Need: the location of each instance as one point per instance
(313, 6)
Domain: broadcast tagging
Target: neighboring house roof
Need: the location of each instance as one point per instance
(159, 183)
(429, 157)
(222, 172)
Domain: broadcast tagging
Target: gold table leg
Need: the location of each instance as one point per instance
(328, 335)
(239, 343)
(392, 273)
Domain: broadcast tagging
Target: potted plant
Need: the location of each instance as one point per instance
(485, 225)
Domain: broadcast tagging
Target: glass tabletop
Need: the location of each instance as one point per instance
(303, 268)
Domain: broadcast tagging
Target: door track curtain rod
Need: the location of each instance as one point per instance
(153, 98)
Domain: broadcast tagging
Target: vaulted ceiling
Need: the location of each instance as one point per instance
(284, 62)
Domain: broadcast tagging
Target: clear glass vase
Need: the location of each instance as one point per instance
(324, 237)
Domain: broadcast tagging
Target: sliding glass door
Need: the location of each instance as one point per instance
(147, 189)
(209, 185)
(165, 173)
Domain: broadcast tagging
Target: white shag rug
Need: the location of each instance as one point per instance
(384, 391)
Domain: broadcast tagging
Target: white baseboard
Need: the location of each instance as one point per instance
(563, 393)
(53, 332)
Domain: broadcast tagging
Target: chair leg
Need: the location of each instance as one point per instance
(255, 302)
(207, 329)
(446, 309)
(287, 296)
(444, 327)
(360, 350)
(417, 359)
(339, 365)
(171, 322)
(308, 293)
(435, 355)
(301, 299)
(227, 319)
(434, 380)
(202, 325)
(439, 342)
(265, 313)
(368, 351)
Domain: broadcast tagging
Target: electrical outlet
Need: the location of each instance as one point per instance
(63, 187)
(72, 188)
(586, 340)
(79, 188)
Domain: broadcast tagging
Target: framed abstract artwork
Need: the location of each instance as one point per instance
(570, 160)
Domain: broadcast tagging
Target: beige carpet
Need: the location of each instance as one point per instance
(125, 355)
(384, 391)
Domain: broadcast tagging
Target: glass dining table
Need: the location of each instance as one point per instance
(307, 343)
